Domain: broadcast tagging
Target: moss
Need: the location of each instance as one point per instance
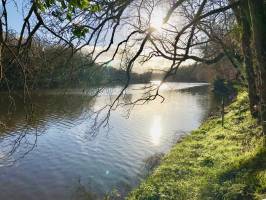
(213, 162)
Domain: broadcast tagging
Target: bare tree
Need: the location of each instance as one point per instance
(94, 27)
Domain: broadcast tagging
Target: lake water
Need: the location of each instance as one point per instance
(54, 156)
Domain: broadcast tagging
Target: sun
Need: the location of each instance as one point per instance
(157, 19)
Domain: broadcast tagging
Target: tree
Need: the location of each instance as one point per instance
(258, 20)
(248, 58)
(83, 23)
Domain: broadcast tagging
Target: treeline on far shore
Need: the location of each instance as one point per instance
(50, 66)
(200, 72)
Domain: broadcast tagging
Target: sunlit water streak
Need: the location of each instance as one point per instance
(67, 164)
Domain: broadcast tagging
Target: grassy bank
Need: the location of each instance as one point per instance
(213, 162)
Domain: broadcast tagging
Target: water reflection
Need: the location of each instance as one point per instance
(64, 153)
(156, 130)
(21, 129)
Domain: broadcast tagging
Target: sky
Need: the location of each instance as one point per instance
(15, 19)
(15, 15)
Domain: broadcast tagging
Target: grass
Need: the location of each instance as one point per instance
(213, 162)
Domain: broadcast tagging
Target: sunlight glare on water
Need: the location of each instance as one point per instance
(156, 130)
(67, 163)
(156, 82)
(164, 86)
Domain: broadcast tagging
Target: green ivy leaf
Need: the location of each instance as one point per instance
(49, 3)
(80, 31)
(84, 4)
(63, 4)
(95, 8)
(40, 5)
(69, 16)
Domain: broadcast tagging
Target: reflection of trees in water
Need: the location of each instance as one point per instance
(21, 127)
(198, 90)
(205, 101)
(21, 130)
(128, 98)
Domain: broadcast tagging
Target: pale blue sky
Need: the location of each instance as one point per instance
(15, 21)
(15, 15)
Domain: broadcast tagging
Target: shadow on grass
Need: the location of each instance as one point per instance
(244, 182)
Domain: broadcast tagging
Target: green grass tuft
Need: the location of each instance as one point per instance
(213, 162)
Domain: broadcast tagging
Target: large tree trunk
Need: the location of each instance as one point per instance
(259, 36)
(1, 66)
(248, 58)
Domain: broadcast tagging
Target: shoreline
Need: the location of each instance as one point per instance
(212, 162)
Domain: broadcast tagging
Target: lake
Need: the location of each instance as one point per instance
(55, 157)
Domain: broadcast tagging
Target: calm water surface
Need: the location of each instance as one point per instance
(66, 163)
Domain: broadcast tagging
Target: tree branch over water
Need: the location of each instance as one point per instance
(106, 31)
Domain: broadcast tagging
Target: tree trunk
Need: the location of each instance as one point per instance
(248, 59)
(1, 66)
(258, 19)
(242, 15)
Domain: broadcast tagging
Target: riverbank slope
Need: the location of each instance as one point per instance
(213, 162)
